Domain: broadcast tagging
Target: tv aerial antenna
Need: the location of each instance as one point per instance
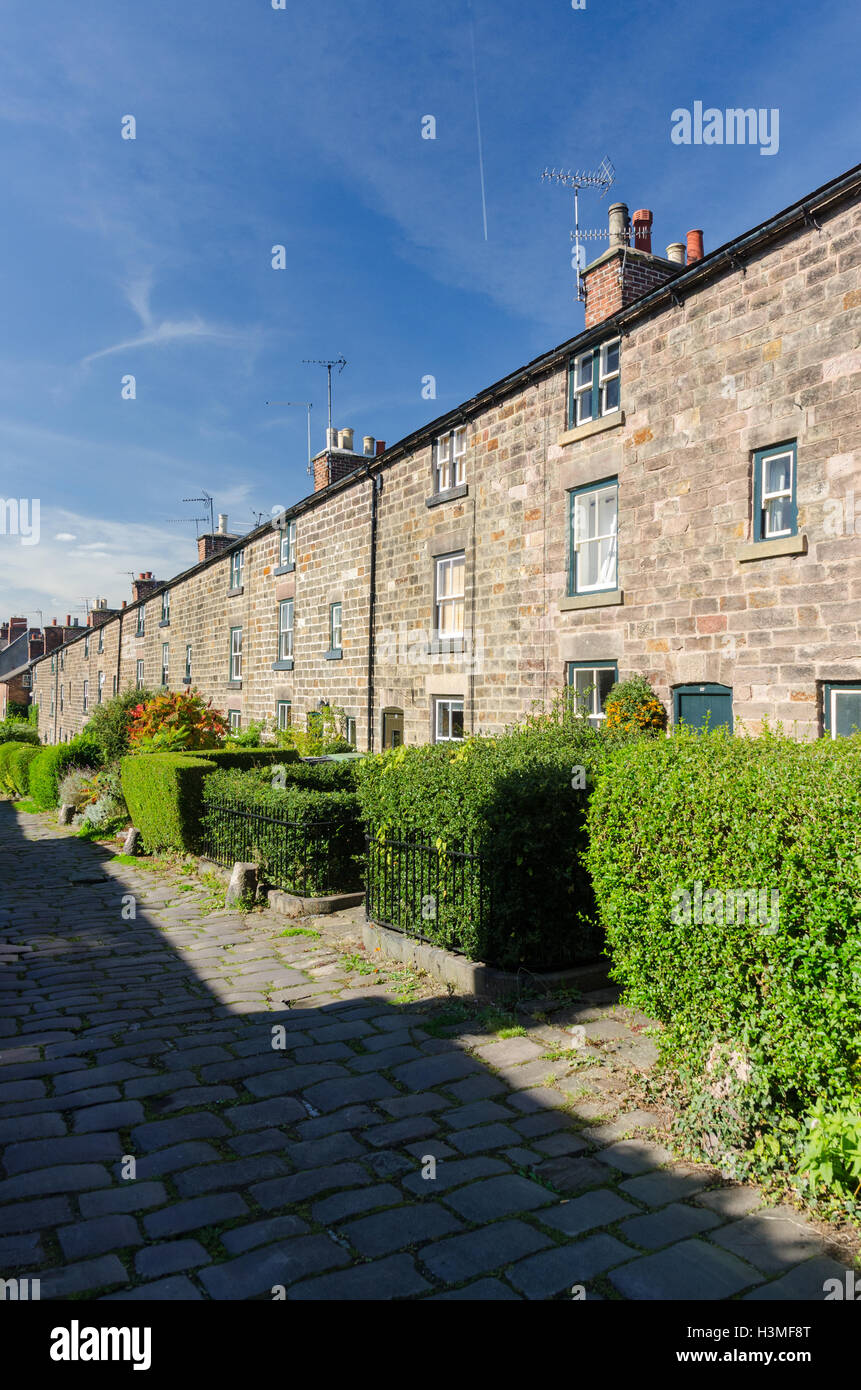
(601, 178)
(340, 363)
(206, 501)
(309, 406)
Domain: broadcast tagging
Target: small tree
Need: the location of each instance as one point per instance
(633, 707)
(109, 724)
(173, 722)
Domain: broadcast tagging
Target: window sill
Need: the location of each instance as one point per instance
(603, 599)
(446, 646)
(234, 685)
(234, 593)
(451, 494)
(285, 569)
(285, 665)
(764, 550)
(607, 422)
(165, 622)
(186, 680)
(334, 655)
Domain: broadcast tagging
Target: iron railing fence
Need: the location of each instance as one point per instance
(311, 858)
(436, 893)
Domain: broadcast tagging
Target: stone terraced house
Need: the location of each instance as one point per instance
(671, 493)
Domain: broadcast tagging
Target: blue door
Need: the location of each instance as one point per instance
(703, 706)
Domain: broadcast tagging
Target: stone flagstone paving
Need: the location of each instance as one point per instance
(305, 1167)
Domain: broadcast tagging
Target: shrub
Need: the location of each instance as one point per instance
(109, 724)
(519, 803)
(18, 731)
(163, 795)
(48, 767)
(632, 707)
(174, 722)
(318, 852)
(15, 759)
(245, 758)
(74, 787)
(762, 1017)
(326, 733)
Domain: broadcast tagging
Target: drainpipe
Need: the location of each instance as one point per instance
(119, 649)
(376, 488)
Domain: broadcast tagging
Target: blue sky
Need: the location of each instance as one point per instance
(302, 127)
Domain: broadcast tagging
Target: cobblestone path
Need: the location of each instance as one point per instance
(306, 1168)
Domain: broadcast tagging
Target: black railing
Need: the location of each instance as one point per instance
(311, 858)
(435, 893)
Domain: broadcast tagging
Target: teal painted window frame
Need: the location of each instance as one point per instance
(759, 459)
(600, 379)
(233, 654)
(188, 661)
(702, 688)
(140, 630)
(165, 606)
(829, 688)
(572, 666)
(101, 644)
(336, 629)
(575, 492)
(86, 648)
(234, 720)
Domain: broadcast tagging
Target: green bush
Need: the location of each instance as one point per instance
(18, 731)
(245, 758)
(15, 759)
(108, 725)
(319, 852)
(163, 794)
(762, 1017)
(48, 767)
(519, 803)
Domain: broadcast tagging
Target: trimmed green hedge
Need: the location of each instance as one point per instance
(762, 1016)
(318, 853)
(15, 760)
(48, 767)
(512, 800)
(163, 795)
(245, 758)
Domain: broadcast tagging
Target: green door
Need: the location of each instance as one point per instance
(702, 706)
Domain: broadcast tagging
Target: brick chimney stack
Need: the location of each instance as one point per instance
(144, 585)
(625, 271)
(339, 458)
(215, 541)
(695, 246)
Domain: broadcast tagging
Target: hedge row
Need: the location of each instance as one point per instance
(15, 760)
(519, 803)
(760, 995)
(305, 840)
(48, 767)
(163, 790)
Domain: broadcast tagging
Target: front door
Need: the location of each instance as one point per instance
(703, 706)
(393, 728)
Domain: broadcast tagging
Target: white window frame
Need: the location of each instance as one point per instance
(283, 715)
(604, 376)
(234, 720)
(237, 569)
(101, 688)
(85, 697)
(350, 729)
(579, 542)
(593, 713)
(188, 661)
(778, 495)
(286, 631)
(165, 663)
(449, 704)
(336, 626)
(236, 654)
(287, 555)
(165, 606)
(139, 675)
(585, 390)
(140, 630)
(446, 604)
(450, 459)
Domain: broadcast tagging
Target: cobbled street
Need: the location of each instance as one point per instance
(305, 1168)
